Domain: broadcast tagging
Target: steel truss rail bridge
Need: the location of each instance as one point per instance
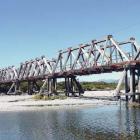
(98, 56)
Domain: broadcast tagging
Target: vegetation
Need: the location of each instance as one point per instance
(61, 86)
(98, 86)
(46, 97)
(91, 86)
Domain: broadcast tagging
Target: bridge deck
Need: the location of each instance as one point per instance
(79, 72)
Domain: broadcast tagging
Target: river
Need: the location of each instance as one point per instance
(70, 123)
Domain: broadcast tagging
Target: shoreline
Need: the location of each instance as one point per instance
(26, 102)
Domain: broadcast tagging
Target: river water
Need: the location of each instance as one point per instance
(80, 123)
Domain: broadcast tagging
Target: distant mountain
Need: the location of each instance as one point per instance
(103, 80)
(108, 80)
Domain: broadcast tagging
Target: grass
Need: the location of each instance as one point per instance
(46, 97)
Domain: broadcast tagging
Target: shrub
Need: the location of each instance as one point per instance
(46, 97)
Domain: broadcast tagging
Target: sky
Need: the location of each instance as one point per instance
(32, 28)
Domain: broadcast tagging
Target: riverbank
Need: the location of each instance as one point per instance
(26, 102)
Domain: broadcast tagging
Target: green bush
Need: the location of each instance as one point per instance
(98, 85)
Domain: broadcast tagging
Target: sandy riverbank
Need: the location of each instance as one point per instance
(26, 102)
(105, 93)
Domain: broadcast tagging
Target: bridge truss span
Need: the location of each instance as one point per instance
(98, 56)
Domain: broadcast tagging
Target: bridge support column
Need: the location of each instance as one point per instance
(50, 86)
(17, 87)
(139, 84)
(126, 85)
(79, 87)
(36, 86)
(67, 86)
(132, 83)
(33, 87)
(54, 86)
(71, 85)
(30, 90)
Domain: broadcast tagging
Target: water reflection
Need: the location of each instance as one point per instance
(108, 122)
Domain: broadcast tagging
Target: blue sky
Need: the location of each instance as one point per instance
(31, 28)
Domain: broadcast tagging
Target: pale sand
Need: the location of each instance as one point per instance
(109, 93)
(25, 102)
